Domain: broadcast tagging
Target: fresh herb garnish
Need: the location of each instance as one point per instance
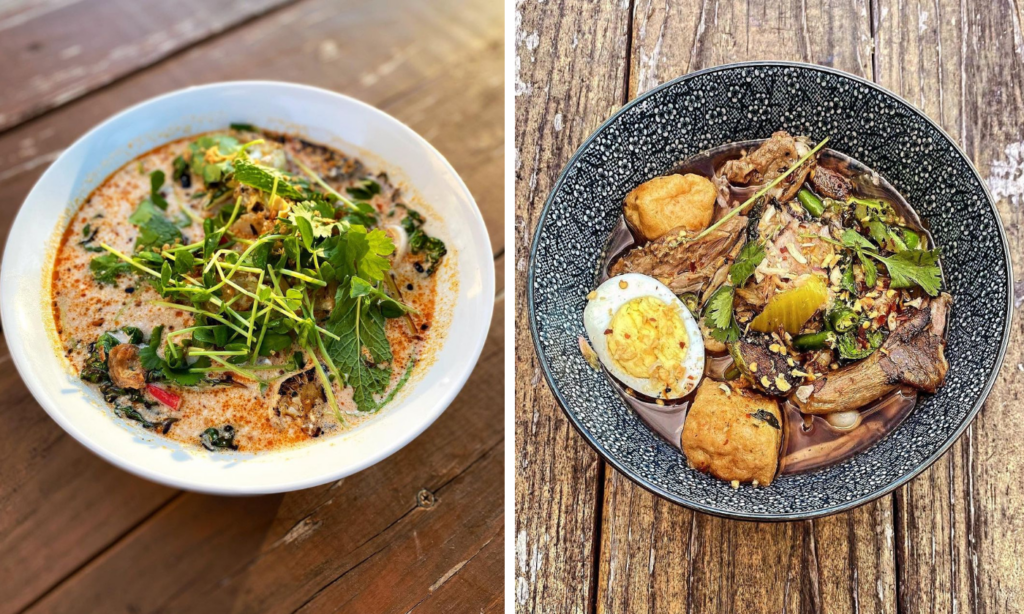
(749, 257)
(718, 315)
(156, 181)
(154, 229)
(223, 438)
(107, 267)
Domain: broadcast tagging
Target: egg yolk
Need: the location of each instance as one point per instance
(647, 339)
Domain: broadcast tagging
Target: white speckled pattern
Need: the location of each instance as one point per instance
(750, 101)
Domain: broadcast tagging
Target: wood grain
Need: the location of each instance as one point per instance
(48, 61)
(59, 504)
(564, 87)
(957, 531)
(377, 52)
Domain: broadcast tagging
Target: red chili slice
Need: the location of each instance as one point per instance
(164, 396)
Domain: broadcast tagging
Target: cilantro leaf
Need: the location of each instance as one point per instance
(364, 190)
(718, 315)
(388, 306)
(212, 172)
(914, 267)
(852, 238)
(850, 349)
(870, 270)
(749, 257)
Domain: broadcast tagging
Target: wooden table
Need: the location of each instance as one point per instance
(589, 540)
(78, 534)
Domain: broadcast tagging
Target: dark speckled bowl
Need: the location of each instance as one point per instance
(739, 102)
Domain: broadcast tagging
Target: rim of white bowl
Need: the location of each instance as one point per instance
(17, 344)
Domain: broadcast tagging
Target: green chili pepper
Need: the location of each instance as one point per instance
(814, 341)
(811, 203)
(842, 319)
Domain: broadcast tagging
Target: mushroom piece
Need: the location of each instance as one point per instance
(125, 367)
(302, 398)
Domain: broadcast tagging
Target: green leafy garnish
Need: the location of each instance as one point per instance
(262, 177)
(154, 229)
(156, 181)
(107, 267)
(718, 315)
(214, 169)
(749, 257)
(243, 127)
(362, 346)
(914, 267)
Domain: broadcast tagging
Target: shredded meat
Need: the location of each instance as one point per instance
(912, 355)
(686, 266)
(126, 367)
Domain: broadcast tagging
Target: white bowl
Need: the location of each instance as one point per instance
(320, 116)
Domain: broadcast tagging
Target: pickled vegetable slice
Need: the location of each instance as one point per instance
(791, 309)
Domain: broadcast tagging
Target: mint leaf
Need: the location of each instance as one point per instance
(360, 325)
(262, 178)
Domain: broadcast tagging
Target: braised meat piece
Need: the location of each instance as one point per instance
(830, 183)
(685, 266)
(766, 363)
(913, 355)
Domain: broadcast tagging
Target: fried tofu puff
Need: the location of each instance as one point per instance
(673, 201)
(733, 433)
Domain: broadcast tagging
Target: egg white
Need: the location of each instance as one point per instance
(606, 301)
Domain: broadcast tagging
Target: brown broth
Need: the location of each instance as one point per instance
(809, 442)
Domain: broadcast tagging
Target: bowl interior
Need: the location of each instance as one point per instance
(318, 115)
(750, 101)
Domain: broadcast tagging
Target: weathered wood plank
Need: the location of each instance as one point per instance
(569, 75)
(957, 529)
(378, 52)
(48, 59)
(59, 504)
(282, 552)
(657, 557)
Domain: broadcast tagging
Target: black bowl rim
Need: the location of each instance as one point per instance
(656, 490)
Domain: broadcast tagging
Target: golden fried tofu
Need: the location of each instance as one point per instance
(673, 201)
(733, 433)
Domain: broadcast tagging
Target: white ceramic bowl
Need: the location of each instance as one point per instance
(320, 116)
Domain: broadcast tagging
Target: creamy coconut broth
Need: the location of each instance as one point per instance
(246, 290)
(840, 367)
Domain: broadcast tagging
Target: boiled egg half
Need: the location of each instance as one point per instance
(644, 336)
